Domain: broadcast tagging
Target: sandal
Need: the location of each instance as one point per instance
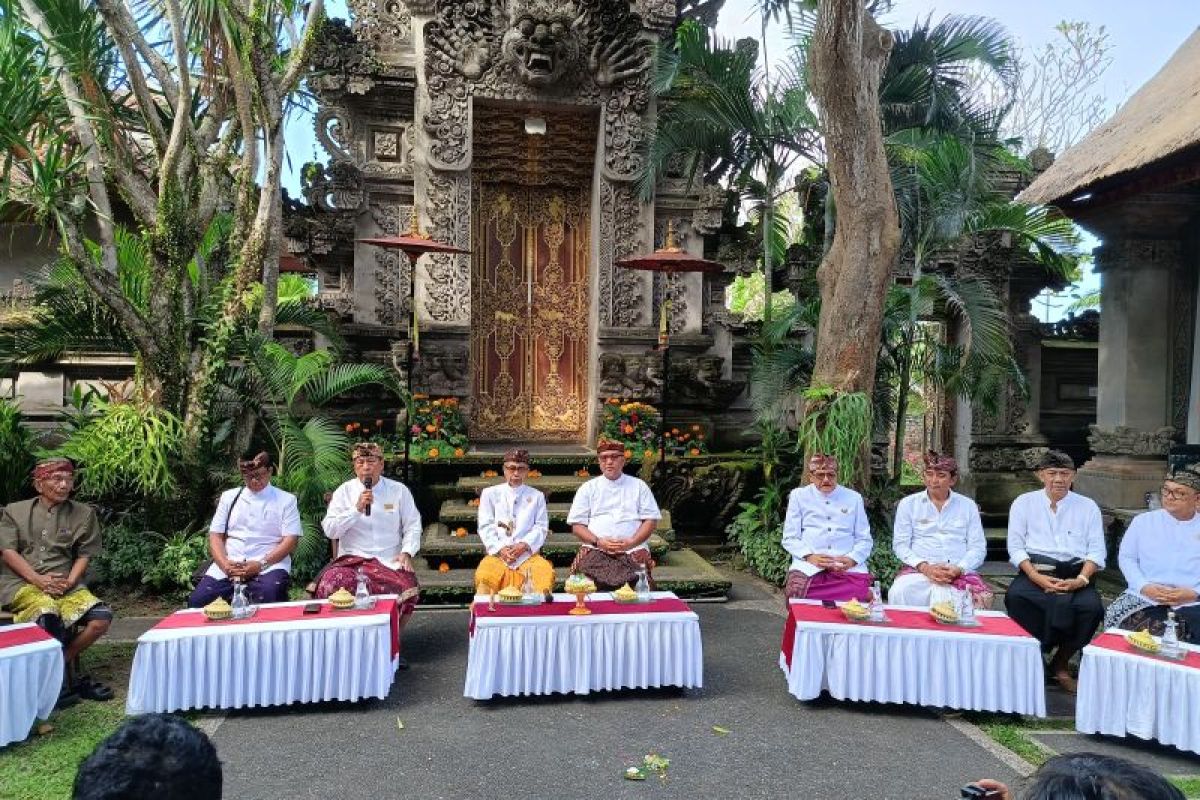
(89, 689)
(66, 699)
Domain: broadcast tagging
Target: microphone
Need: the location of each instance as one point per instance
(367, 483)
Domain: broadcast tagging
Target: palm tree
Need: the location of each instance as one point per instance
(726, 121)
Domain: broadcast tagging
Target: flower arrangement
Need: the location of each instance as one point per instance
(636, 426)
(633, 424)
(438, 429)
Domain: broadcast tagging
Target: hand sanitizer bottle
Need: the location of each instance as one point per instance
(362, 595)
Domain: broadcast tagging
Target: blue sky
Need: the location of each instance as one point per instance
(1143, 36)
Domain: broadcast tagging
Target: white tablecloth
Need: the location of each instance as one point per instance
(952, 668)
(262, 664)
(580, 654)
(1124, 694)
(31, 677)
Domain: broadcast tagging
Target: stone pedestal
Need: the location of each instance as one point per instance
(1120, 481)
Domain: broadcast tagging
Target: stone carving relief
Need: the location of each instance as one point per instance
(630, 376)
(675, 290)
(620, 294)
(341, 63)
(448, 283)
(1005, 459)
(386, 24)
(337, 187)
(1182, 325)
(389, 151)
(697, 382)
(335, 132)
(528, 50)
(392, 269)
(1138, 253)
(441, 369)
(699, 497)
(1125, 441)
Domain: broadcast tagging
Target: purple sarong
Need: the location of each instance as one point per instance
(266, 587)
(829, 585)
(981, 594)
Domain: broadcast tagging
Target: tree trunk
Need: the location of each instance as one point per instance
(848, 55)
(904, 383)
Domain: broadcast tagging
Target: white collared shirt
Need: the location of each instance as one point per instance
(1158, 548)
(258, 522)
(833, 524)
(394, 526)
(1074, 531)
(614, 509)
(523, 508)
(953, 535)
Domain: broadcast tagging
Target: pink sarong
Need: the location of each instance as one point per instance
(829, 585)
(342, 573)
(981, 593)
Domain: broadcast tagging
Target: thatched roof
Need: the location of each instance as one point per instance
(1159, 121)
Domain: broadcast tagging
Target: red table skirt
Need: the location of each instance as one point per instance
(1116, 641)
(20, 636)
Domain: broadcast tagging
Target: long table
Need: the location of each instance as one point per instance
(913, 659)
(278, 656)
(31, 676)
(1125, 692)
(543, 649)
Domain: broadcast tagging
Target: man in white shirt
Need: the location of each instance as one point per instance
(512, 525)
(613, 515)
(1160, 559)
(1056, 541)
(939, 537)
(377, 528)
(827, 533)
(251, 539)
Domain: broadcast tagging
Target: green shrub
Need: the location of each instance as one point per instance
(881, 510)
(182, 553)
(757, 531)
(129, 551)
(16, 453)
(128, 450)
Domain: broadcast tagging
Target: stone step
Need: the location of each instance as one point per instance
(553, 486)
(680, 571)
(560, 547)
(456, 513)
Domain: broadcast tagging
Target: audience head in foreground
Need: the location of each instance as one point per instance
(154, 755)
(1090, 776)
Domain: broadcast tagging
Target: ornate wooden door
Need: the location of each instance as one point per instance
(529, 343)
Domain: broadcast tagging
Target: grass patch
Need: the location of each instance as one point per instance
(1189, 785)
(43, 767)
(1016, 739)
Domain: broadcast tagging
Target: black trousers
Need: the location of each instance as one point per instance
(1057, 620)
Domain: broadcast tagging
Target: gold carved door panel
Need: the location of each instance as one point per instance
(529, 343)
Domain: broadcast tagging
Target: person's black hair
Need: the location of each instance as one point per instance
(1091, 776)
(153, 755)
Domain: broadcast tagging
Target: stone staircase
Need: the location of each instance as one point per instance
(451, 548)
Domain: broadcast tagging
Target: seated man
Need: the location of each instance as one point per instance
(1160, 559)
(46, 544)
(378, 530)
(513, 524)
(152, 755)
(1056, 541)
(614, 515)
(829, 537)
(939, 537)
(251, 539)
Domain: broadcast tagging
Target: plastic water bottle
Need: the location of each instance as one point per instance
(1170, 637)
(362, 595)
(643, 587)
(240, 605)
(527, 590)
(876, 604)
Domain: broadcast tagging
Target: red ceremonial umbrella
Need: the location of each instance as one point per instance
(413, 244)
(670, 259)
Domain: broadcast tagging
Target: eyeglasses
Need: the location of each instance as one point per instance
(516, 468)
(824, 476)
(1177, 494)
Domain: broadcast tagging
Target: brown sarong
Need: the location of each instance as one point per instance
(610, 572)
(342, 573)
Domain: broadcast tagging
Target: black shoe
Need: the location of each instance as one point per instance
(89, 689)
(66, 699)
(401, 662)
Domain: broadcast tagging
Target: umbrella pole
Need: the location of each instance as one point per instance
(409, 358)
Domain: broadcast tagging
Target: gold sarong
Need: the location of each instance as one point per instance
(30, 602)
(496, 575)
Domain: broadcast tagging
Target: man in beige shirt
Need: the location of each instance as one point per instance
(45, 546)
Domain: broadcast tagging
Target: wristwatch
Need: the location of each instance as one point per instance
(263, 564)
(1083, 578)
